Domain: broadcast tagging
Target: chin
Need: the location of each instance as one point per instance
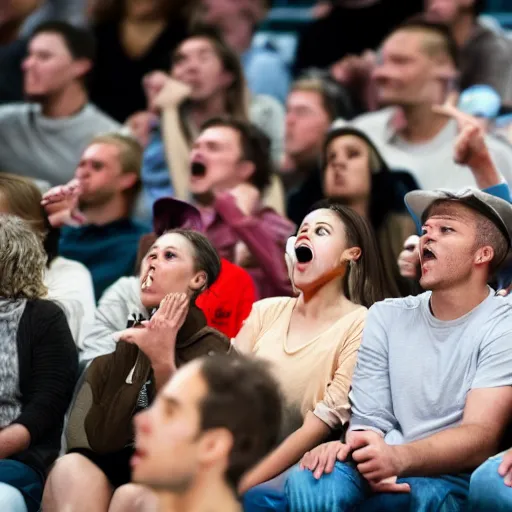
(150, 300)
(35, 96)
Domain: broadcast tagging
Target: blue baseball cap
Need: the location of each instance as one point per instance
(480, 101)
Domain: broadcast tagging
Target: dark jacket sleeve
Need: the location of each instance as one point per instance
(48, 369)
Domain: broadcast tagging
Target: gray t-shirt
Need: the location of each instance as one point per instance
(431, 162)
(45, 149)
(414, 371)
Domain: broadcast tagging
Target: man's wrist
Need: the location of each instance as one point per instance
(403, 459)
(486, 174)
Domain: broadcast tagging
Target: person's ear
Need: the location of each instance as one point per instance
(81, 67)
(245, 170)
(215, 446)
(127, 181)
(199, 282)
(352, 254)
(484, 255)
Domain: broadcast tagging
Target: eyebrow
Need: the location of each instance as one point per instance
(155, 246)
(318, 223)
(173, 402)
(452, 218)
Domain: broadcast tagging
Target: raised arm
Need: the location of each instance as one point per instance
(265, 237)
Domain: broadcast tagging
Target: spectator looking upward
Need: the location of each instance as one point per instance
(401, 445)
(312, 340)
(178, 267)
(207, 81)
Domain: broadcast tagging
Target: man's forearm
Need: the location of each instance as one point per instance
(454, 450)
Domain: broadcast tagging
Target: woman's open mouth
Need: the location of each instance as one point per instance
(148, 280)
(304, 253)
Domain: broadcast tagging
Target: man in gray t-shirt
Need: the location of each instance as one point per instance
(44, 138)
(431, 393)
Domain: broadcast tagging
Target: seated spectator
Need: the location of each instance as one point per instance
(39, 369)
(68, 282)
(230, 170)
(485, 56)
(133, 38)
(94, 210)
(356, 175)
(312, 340)
(13, 48)
(310, 110)
(125, 381)
(43, 139)
(264, 68)
(491, 485)
(225, 304)
(212, 84)
(427, 408)
(470, 150)
(419, 62)
(234, 407)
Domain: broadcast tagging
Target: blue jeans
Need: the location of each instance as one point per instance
(345, 490)
(487, 491)
(21, 487)
(267, 497)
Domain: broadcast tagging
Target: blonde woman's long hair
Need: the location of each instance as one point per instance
(22, 260)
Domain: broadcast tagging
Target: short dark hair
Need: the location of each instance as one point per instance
(255, 147)
(79, 41)
(206, 257)
(244, 398)
(423, 23)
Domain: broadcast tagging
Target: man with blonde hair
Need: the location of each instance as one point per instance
(94, 210)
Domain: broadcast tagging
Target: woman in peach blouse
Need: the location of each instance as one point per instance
(312, 341)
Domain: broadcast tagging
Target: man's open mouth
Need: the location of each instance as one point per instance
(148, 280)
(427, 255)
(304, 254)
(198, 169)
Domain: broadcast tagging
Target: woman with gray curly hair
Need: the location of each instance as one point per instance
(38, 369)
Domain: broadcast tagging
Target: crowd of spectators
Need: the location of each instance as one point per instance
(233, 282)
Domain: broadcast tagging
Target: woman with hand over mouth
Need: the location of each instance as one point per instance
(115, 386)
